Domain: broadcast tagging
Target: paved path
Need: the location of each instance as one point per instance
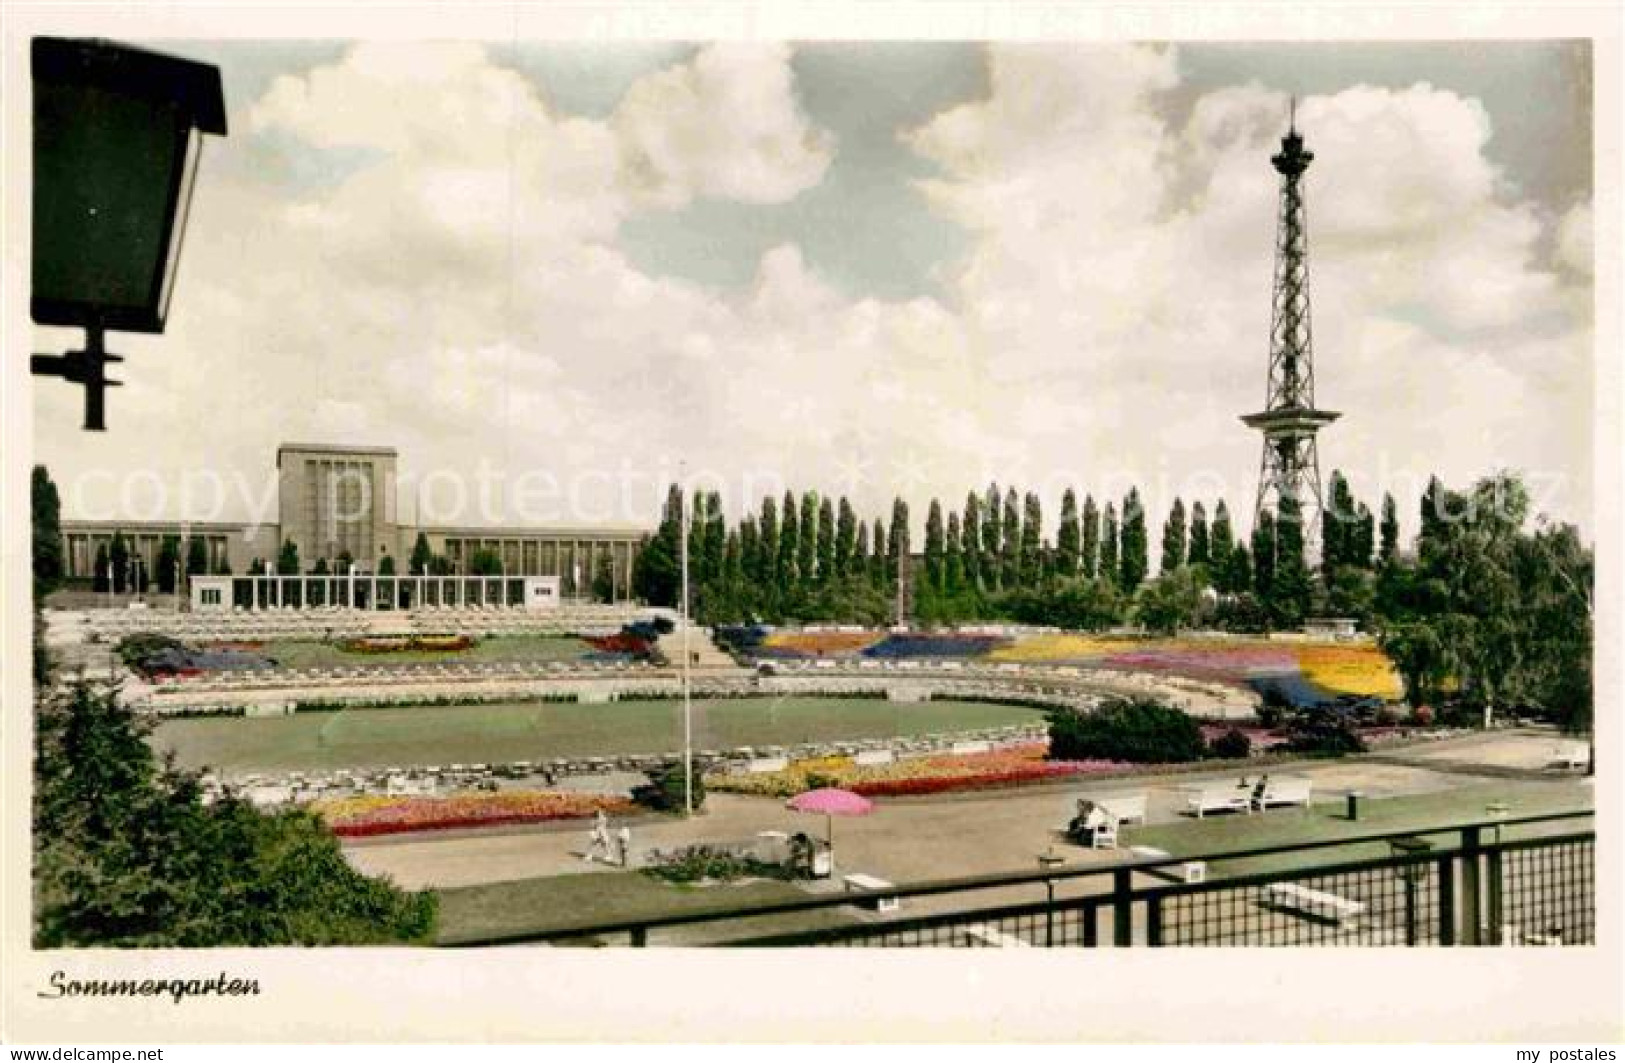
(903, 840)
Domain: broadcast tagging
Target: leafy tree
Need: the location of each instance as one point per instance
(1433, 513)
(1221, 540)
(1174, 538)
(1108, 546)
(992, 539)
(418, 563)
(1237, 572)
(1232, 745)
(320, 567)
(1419, 657)
(1138, 730)
(1171, 603)
(897, 541)
(715, 545)
(970, 546)
(46, 511)
(127, 854)
(169, 557)
(1132, 562)
(935, 547)
(789, 578)
(1069, 537)
(1291, 587)
(1263, 558)
(826, 540)
(101, 570)
(860, 553)
(197, 556)
(807, 553)
(287, 560)
(1031, 551)
(483, 563)
(119, 554)
(846, 539)
(655, 575)
(1363, 542)
(667, 786)
(1390, 531)
(1010, 542)
(1200, 546)
(766, 575)
(880, 573)
(603, 579)
(953, 576)
(1338, 526)
(1089, 551)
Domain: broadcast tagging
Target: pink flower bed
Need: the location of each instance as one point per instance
(1260, 737)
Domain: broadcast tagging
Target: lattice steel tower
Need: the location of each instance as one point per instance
(1290, 466)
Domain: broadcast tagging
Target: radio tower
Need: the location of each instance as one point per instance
(1290, 466)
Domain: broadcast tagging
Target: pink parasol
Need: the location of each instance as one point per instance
(831, 802)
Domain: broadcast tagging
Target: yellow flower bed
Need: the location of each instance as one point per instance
(1363, 670)
(1037, 648)
(816, 643)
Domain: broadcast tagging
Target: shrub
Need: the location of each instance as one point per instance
(128, 854)
(703, 863)
(1324, 738)
(1232, 745)
(1272, 711)
(1140, 730)
(664, 790)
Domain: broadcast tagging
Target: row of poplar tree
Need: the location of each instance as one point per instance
(812, 558)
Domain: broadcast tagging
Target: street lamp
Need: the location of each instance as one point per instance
(117, 135)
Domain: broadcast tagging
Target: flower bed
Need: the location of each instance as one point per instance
(407, 643)
(920, 775)
(819, 643)
(362, 817)
(900, 646)
(1361, 670)
(622, 644)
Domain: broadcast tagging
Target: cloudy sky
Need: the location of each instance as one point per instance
(548, 273)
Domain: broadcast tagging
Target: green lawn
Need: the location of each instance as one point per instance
(318, 654)
(1326, 821)
(468, 734)
(535, 904)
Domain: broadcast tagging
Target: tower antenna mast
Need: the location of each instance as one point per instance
(1289, 468)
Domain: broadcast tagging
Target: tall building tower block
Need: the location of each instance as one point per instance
(1290, 466)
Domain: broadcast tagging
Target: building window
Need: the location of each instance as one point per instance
(211, 595)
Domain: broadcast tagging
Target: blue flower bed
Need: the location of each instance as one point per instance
(895, 647)
(1299, 692)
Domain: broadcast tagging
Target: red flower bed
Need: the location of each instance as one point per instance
(621, 643)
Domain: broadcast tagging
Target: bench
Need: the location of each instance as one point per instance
(1123, 808)
(1289, 896)
(1224, 798)
(981, 935)
(1286, 791)
(862, 884)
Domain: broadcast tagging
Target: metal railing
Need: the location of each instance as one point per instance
(1469, 885)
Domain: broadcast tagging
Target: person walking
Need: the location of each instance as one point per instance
(598, 841)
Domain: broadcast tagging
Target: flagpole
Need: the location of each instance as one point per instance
(688, 725)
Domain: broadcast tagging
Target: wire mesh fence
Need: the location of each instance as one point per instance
(1464, 887)
(1547, 892)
